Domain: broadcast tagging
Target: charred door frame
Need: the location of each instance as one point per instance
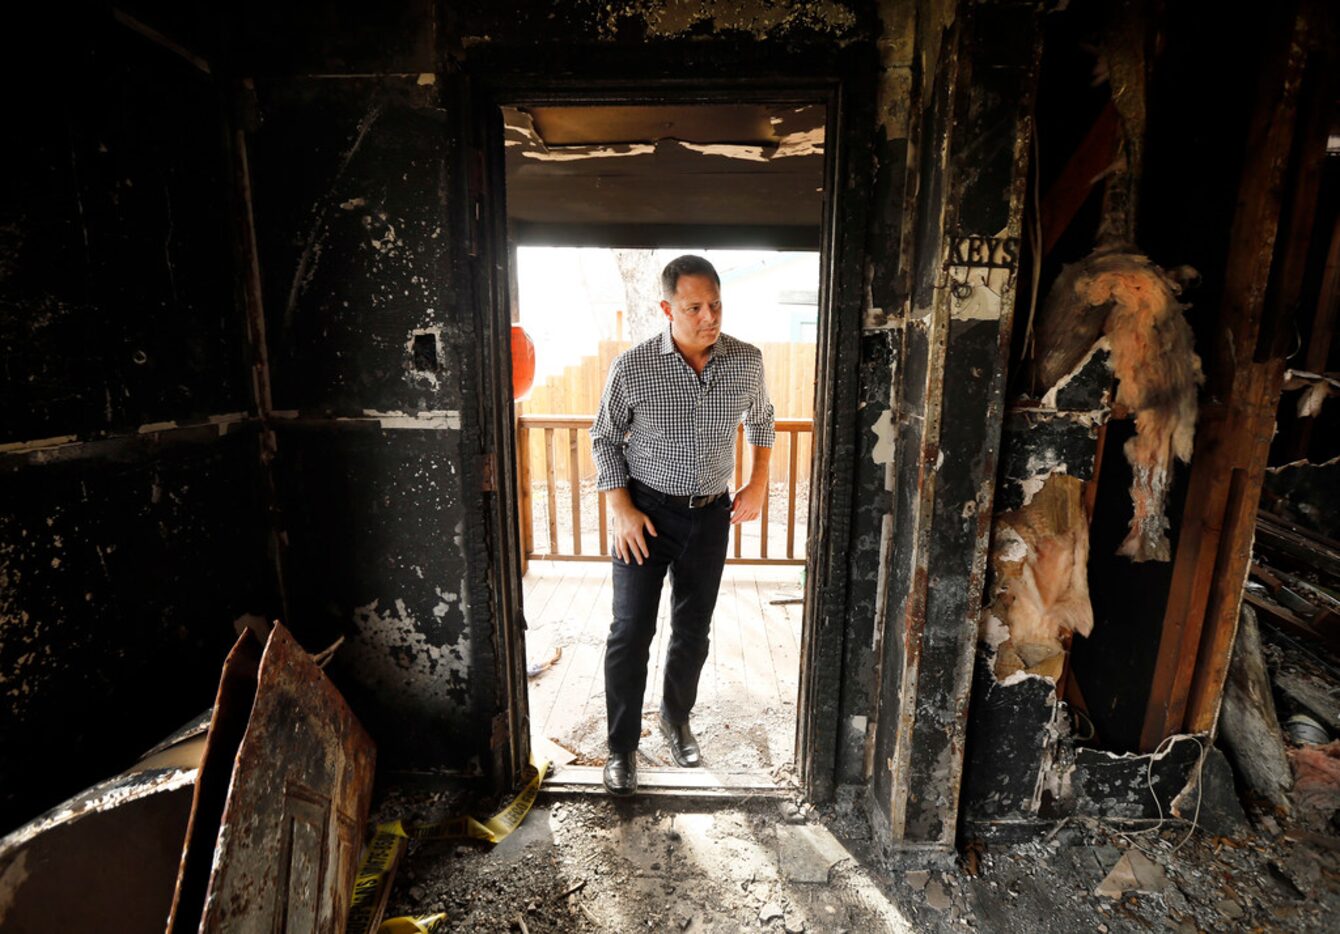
(839, 330)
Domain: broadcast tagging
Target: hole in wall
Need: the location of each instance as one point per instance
(423, 352)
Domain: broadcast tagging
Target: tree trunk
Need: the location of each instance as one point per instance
(642, 293)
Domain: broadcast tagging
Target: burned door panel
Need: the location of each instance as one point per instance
(283, 852)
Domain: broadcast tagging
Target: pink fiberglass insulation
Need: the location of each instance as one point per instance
(1154, 359)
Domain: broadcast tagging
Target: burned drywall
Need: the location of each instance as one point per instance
(1014, 738)
(118, 296)
(389, 570)
(349, 188)
(371, 340)
(131, 533)
(1039, 442)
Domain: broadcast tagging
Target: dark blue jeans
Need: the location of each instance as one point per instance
(691, 545)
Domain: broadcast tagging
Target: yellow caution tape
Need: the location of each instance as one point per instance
(493, 830)
(372, 884)
(408, 925)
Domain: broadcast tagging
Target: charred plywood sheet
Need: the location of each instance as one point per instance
(286, 847)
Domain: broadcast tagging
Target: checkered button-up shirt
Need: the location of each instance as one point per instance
(673, 429)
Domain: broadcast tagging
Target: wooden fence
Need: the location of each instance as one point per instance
(573, 433)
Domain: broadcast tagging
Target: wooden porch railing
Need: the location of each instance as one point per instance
(577, 429)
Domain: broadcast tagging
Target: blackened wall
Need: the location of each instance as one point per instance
(365, 180)
(131, 523)
(373, 352)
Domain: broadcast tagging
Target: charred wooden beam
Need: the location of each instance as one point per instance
(1214, 547)
(950, 405)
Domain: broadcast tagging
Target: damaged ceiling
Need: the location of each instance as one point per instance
(647, 176)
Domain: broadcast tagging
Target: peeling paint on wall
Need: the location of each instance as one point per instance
(391, 650)
(759, 18)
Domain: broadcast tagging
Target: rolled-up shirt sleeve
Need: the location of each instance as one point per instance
(759, 422)
(609, 431)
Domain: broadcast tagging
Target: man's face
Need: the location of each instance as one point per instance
(694, 312)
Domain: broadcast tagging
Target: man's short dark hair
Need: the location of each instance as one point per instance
(686, 265)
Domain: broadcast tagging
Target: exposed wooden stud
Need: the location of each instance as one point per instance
(1257, 390)
(1328, 304)
(742, 562)
(1320, 335)
(1214, 545)
(1091, 485)
(522, 481)
(1091, 158)
(763, 519)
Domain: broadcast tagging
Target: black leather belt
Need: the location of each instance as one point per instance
(692, 502)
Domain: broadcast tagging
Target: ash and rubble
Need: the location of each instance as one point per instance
(591, 863)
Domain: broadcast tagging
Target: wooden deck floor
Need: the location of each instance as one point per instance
(746, 713)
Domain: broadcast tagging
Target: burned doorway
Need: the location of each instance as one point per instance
(599, 196)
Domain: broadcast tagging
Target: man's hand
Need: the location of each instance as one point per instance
(629, 523)
(748, 503)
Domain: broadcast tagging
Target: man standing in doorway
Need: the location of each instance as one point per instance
(664, 442)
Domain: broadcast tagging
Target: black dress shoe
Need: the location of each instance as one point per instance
(683, 747)
(621, 773)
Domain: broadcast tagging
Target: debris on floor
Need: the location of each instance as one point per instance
(586, 863)
(1133, 873)
(535, 669)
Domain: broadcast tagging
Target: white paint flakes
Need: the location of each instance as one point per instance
(882, 452)
(439, 419)
(576, 153)
(390, 650)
